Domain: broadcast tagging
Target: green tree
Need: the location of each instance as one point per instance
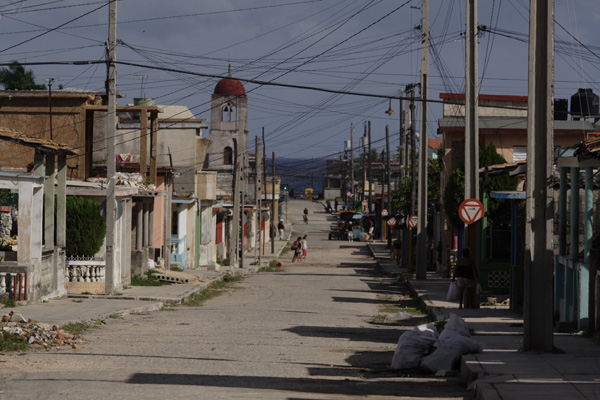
(455, 188)
(85, 227)
(16, 77)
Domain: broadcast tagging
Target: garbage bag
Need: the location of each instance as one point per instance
(452, 294)
(448, 354)
(455, 323)
(410, 350)
(428, 330)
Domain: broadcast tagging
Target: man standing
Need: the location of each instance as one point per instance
(467, 279)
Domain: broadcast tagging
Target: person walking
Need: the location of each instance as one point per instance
(397, 251)
(281, 228)
(467, 279)
(304, 247)
(306, 215)
(297, 248)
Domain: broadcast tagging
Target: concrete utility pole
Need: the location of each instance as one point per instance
(241, 215)
(273, 205)
(113, 275)
(402, 140)
(264, 166)
(352, 161)
(258, 185)
(413, 151)
(370, 169)
(539, 258)
(407, 258)
(364, 146)
(421, 268)
(234, 234)
(168, 221)
(406, 121)
(389, 188)
(471, 120)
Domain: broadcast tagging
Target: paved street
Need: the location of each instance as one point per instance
(307, 332)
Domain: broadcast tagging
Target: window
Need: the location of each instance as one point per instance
(519, 153)
(227, 156)
(228, 113)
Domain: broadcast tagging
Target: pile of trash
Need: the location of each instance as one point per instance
(424, 349)
(133, 179)
(37, 333)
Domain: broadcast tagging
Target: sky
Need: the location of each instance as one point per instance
(350, 46)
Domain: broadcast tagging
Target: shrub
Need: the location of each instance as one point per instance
(85, 227)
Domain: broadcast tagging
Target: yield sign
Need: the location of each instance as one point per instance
(470, 211)
(412, 221)
(391, 221)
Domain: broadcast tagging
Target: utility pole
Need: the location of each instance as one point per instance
(168, 222)
(273, 205)
(413, 151)
(264, 166)
(402, 141)
(50, 82)
(352, 163)
(539, 257)
(370, 170)
(113, 276)
(408, 118)
(471, 120)
(389, 188)
(242, 196)
(364, 146)
(258, 186)
(422, 250)
(312, 171)
(234, 234)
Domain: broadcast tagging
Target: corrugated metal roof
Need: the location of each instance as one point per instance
(40, 144)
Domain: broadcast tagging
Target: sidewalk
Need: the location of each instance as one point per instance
(501, 371)
(136, 299)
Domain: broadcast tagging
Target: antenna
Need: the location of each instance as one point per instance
(142, 85)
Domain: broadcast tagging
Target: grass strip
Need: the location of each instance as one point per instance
(213, 290)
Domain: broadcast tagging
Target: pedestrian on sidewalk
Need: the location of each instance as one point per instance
(467, 279)
(297, 248)
(397, 251)
(304, 247)
(281, 228)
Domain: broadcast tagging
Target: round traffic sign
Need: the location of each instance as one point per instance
(384, 212)
(412, 221)
(392, 221)
(470, 211)
(349, 193)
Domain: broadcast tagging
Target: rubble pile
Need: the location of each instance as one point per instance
(12, 241)
(133, 179)
(36, 333)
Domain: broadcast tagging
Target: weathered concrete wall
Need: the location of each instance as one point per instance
(29, 112)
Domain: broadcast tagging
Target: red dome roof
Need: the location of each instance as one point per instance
(230, 86)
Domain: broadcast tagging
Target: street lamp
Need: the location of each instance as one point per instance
(389, 111)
